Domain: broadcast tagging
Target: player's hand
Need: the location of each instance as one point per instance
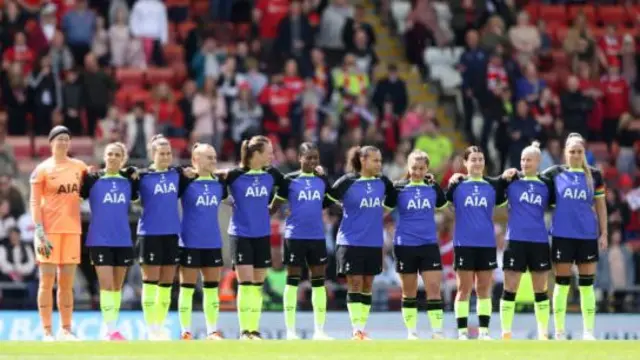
(455, 178)
(319, 170)
(603, 242)
(42, 244)
(92, 169)
(132, 172)
(431, 179)
(189, 172)
(509, 174)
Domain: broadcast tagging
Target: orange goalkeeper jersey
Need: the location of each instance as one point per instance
(55, 195)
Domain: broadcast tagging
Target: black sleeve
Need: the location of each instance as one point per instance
(233, 174)
(551, 189)
(278, 181)
(451, 190)
(341, 186)
(441, 198)
(135, 188)
(326, 201)
(183, 184)
(598, 182)
(282, 191)
(551, 172)
(499, 186)
(87, 183)
(390, 193)
(128, 171)
(225, 190)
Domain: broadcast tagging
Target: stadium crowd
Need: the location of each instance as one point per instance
(222, 71)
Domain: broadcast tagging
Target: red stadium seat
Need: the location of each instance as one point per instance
(42, 147)
(598, 32)
(533, 10)
(200, 7)
(611, 14)
(122, 99)
(600, 150)
(560, 58)
(588, 10)
(551, 78)
(141, 96)
(159, 75)
(180, 74)
(173, 53)
(185, 28)
(21, 146)
(553, 14)
(82, 146)
(242, 31)
(559, 34)
(130, 78)
(177, 3)
(179, 145)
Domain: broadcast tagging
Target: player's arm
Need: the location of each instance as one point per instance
(37, 185)
(601, 208)
(278, 183)
(281, 195)
(88, 180)
(441, 198)
(390, 194)
(500, 188)
(339, 189)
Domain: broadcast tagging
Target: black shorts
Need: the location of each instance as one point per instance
(521, 256)
(413, 259)
(111, 256)
(200, 258)
(159, 250)
(475, 258)
(251, 251)
(305, 252)
(359, 260)
(564, 250)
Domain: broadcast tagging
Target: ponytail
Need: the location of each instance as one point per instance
(250, 147)
(244, 151)
(354, 164)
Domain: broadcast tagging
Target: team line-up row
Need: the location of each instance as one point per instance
(255, 190)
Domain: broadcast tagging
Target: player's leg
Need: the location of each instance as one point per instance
(367, 297)
(319, 299)
(45, 298)
(587, 262)
(242, 256)
(514, 264)
(409, 284)
(355, 285)
(539, 264)
(66, 278)
(435, 307)
(261, 262)
(563, 254)
(463, 265)
(293, 259)
(431, 271)
(484, 286)
(149, 258)
(170, 257)
(188, 279)
(119, 275)
(106, 280)
(211, 298)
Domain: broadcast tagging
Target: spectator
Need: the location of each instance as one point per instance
(437, 145)
(13, 195)
(502, 110)
(466, 15)
(220, 10)
(529, 87)
(149, 22)
(169, 119)
(626, 137)
(229, 81)
(72, 102)
(579, 30)
(8, 163)
(292, 79)
(391, 88)
(14, 92)
(60, 55)
(79, 26)
(206, 62)
(141, 126)
(389, 128)
(295, 36)
(610, 46)
(473, 63)
(17, 264)
(454, 166)
(497, 84)
(100, 44)
(125, 50)
(616, 268)
(321, 75)
(257, 80)
(551, 154)
(349, 81)
(247, 116)
(13, 22)
(544, 53)
(241, 56)
(327, 149)
(263, 58)
(366, 57)
(575, 108)
(397, 168)
(110, 129)
(546, 110)
(412, 122)
(615, 99)
(523, 130)
(186, 104)
(98, 88)
(41, 34)
(268, 14)
(277, 101)
(359, 115)
(330, 34)
(7, 222)
(629, 59)
(43, 95)
(525, 39)
(209, 111)
(493, 34)
(19, 53)
(353, 25)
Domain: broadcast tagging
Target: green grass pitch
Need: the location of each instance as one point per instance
(329, 350)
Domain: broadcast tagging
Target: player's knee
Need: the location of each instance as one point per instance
(563, 280)
(432, 288)
(586, 280)
(293, 280)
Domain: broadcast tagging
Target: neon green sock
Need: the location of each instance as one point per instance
(541, 308)
(483, 309)
(364, 310)
(461, 309)
(560, 295)
(243, 301)
(355, 309)
(117, 302)
(185, 306)
(107, 307)
(211, 306)
(507, 310)
(149, 293)
(290, 303)
(319, 302)
(435, 312)
(588, 307)
(257, 307)
(410, 313)
(163, 302)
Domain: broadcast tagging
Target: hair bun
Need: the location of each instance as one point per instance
(536, 144)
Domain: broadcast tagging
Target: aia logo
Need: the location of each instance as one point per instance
(68, 189)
